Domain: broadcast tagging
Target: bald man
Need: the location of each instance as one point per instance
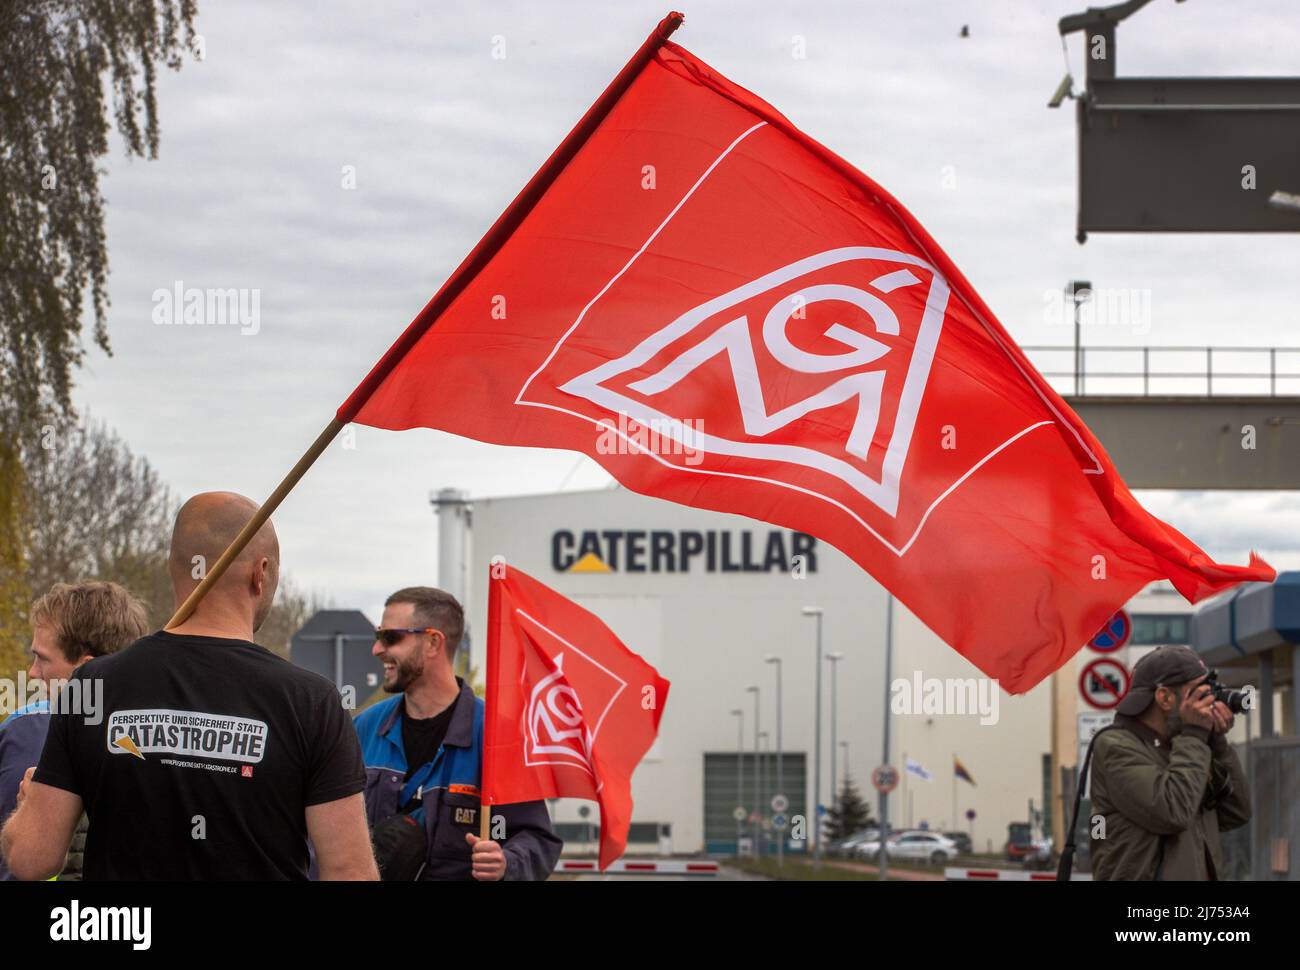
(212, 757)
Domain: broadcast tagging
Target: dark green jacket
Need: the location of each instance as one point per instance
(1163, 801)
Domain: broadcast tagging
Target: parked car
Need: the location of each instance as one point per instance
(1041, 855)
(922, 846)
(846, 848)
(964, 846)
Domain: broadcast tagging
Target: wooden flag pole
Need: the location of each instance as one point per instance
(259, 518)
(479, 257)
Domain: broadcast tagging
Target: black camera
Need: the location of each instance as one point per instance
(1234, 699)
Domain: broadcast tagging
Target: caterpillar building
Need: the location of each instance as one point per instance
(728, 610)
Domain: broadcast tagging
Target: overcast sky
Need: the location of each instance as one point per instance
(247, 193)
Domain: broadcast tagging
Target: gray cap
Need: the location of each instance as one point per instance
(1162, 667)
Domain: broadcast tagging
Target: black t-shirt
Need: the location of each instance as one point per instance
(202, 761)
(421, 738)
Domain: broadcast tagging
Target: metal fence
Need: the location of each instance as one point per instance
(1169, 371)
(1268, 848)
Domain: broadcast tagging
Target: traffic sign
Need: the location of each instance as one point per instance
(1103, 683)
(885, 778)
(970, 814)
(779, 822)
(1114, 634)
(1090, 722)
(780, 803)
(739, 814)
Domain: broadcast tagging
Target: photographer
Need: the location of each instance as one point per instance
(1164, 778)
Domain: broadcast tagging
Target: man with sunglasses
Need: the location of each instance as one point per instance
(423, 753)
(1165, 781)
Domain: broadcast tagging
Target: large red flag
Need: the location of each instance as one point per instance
(724, 313)
(570, 710)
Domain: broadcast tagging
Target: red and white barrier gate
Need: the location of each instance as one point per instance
(1008, 875)
(635, 867)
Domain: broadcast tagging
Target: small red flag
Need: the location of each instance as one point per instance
(570, 711)
(724, 313)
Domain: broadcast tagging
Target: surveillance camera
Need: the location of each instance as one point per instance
(1288, 201)
(1063, 90)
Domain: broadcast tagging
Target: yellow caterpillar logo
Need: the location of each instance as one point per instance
(127, 745)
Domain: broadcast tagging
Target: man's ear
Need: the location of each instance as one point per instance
(257, 581)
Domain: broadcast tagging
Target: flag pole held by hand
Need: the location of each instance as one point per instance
(259, 518)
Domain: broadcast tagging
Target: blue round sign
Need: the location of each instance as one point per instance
(1113, 635)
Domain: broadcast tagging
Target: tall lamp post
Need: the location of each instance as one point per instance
(816, 612)
(740, 774)
(780, 772)
(1078, 292)
(884, 758)
(753, 689)
(764, 745)
(834, 660)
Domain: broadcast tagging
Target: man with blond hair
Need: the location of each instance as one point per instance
(71, 624)
(215, 759)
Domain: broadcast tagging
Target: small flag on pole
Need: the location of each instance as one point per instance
(570, 710)
(918, 769)
(959, 770)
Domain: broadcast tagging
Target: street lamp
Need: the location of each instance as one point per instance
(816, 611)
(780, 772)
(753, 689)
(760, 830)
(740, 773)
(834, 660)
(1078, 292)
(884, 755)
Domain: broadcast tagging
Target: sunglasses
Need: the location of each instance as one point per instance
(392, 636)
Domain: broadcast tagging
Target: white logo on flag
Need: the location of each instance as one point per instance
(776, 384)
(733, 339)
(555, 720)
(558, 728)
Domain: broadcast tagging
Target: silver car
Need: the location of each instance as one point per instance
(920, 846)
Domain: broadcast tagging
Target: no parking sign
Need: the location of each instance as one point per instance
(1113, 635)
(1103, 683)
